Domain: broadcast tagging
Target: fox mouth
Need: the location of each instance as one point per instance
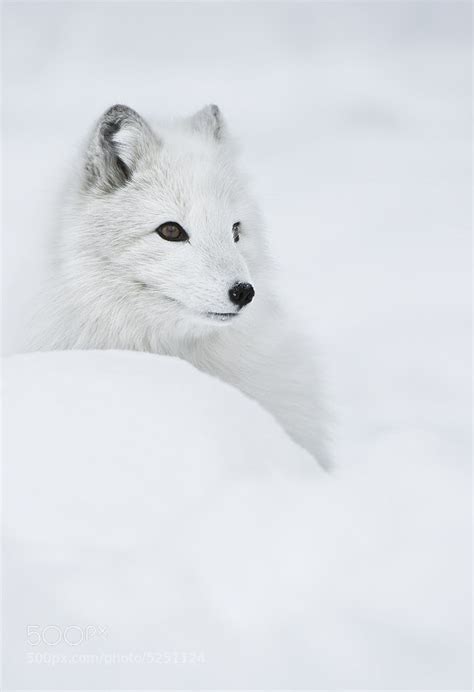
(214, 316)
(221, 316)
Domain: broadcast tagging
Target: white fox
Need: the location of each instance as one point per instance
(161, 248)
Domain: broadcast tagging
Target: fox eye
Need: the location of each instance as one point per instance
(172, 231)
(236, 231)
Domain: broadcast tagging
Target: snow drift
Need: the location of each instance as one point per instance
(164, 509)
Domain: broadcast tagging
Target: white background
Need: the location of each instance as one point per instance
(354, 121)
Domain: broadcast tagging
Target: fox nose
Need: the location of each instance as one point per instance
(241, 294)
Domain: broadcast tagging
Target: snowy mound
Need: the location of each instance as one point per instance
(162, 531)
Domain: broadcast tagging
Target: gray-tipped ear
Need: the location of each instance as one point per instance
(120, 140)
(209, 121)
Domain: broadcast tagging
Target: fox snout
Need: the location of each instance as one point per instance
(241, 294)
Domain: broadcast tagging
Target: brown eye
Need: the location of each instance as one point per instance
(236, 231)
(172, 231)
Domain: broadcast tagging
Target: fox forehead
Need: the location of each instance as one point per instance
(184, 188)
(189, 171)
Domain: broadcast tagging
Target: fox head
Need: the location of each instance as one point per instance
(165, 217)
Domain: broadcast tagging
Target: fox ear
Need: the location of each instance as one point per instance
(120, 140)
(209, 121)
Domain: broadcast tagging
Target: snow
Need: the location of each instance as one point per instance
(149, 499)
(168, 508)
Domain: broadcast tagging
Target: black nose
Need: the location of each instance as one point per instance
(241, 294)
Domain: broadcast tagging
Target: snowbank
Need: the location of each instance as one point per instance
(165, 510)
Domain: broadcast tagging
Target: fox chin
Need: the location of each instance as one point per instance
(161, 247)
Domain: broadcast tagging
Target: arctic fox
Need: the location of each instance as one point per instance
(161, 248)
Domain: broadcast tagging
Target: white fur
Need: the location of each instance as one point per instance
(117, 285)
